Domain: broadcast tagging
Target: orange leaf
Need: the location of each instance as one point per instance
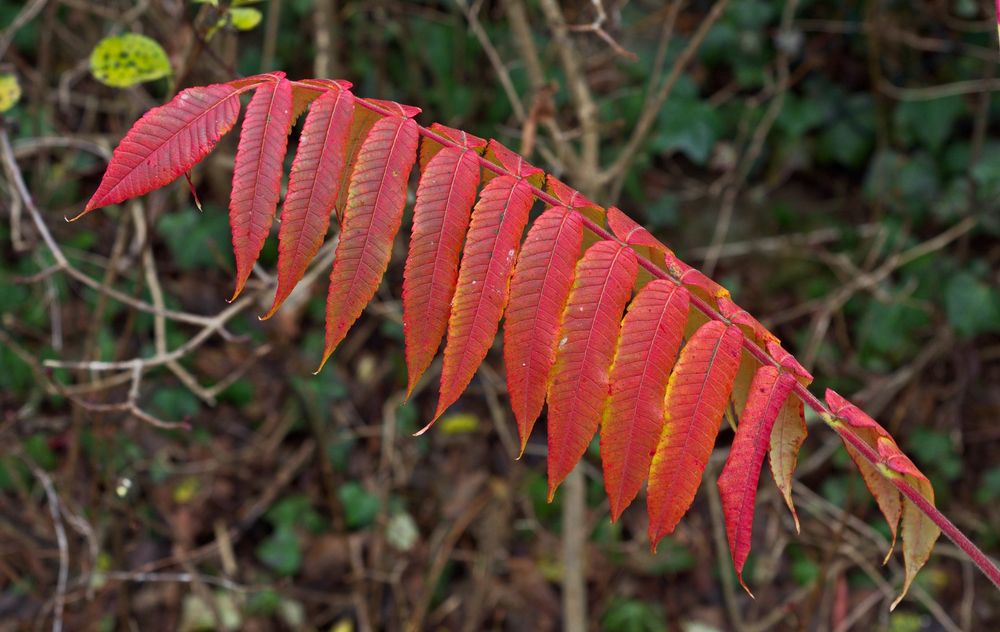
(633, 419)
(538, 293)
(697, 394)
(375, 202)
(587, 337)
(445, 196)
(919, 534)
(498, 221)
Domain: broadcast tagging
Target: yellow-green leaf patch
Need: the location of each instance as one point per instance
(10, 91)
(125, 60)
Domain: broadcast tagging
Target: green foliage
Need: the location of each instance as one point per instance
(972, 306)
(633, 615)
(282, 550)
(360, 507)
(687, 124)
(196, 240)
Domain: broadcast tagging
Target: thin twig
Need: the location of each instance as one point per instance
(27, 14)
(615, 173)
(61, 541)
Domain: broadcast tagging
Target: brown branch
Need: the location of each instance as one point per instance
(615, 174)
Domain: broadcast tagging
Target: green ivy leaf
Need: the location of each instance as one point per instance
(927, 123)
(282, 551)
(687, 124)
(632, 615)
(360, 507)
(972, 306)
(121, 61)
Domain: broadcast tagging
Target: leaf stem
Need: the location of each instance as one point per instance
(978, 557)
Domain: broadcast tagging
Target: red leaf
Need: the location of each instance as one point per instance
(483, 282)
(312, 188)
(430, 147)
(738, 480)
(167, 141)
(538, 292)
(588, 336)
(788, 362)
(633, 419)
(854, 416)
(626, 229)
(375, 202)
(361, 125)
(750, 325)
(787, 436)
(573, 199)
(514, 163)
(445, 196)
(257, 173)
(697, 394)
(695, 280)
(894, 458)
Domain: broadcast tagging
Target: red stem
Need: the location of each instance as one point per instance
(980, 559)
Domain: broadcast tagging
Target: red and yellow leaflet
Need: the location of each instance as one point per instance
(697, 394)
(539, 289)
(498, 221)
(633, 419)
(375, 201)
(167, 141)
(445, 196)
(313, 186)
(588, 335)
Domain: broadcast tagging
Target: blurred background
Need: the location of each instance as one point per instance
(169, 462)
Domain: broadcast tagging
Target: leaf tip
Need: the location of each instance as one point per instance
(271, 311)
(322, 363)
(80, 214)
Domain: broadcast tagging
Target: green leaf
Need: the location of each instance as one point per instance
(848, 140)
(972, 306)
(282, 551)
(688, 125)
(295, 511)
(360, 507)
(244, 18)
(989, 487)
(888, 333)
(196, 240)
(10, 91)
(633, 615)
(935, 451)
(927, 123)
(125, 60)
